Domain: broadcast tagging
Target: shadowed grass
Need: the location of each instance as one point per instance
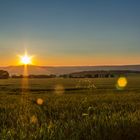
(71, 117)
(103, 113)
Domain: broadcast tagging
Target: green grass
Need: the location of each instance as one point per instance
(73, 113)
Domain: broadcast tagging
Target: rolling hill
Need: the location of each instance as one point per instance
(57, 70)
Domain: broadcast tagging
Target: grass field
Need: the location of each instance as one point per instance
(69, 109)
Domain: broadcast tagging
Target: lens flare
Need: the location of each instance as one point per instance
(121, 83)
(59, 89)
(40, 101)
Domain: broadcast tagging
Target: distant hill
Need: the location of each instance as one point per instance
(58, 70)
(101, 74)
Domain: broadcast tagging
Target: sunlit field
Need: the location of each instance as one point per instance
(58, 109)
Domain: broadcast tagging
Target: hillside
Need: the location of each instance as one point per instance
(18, 70)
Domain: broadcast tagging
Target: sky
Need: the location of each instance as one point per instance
(70, 32)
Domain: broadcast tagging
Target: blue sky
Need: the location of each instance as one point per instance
(71, 32)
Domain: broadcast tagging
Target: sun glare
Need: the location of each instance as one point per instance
(122, 83)
(26, 60)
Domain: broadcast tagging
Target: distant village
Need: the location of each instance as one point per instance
(83, 74)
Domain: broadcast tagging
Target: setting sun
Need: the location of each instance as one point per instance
(26, 59)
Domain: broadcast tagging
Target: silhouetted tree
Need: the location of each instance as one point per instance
(4, 74)
(96, 76)
(88, 76)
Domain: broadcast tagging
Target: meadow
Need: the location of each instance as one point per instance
(69, 109)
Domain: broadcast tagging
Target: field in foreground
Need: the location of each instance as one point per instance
(72, 109)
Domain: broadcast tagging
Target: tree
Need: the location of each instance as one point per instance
(4, 74)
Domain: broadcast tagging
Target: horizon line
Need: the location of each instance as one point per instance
(75, 65)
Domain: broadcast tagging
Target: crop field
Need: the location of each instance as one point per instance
(69, 109)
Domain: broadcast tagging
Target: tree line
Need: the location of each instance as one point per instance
(85, 74)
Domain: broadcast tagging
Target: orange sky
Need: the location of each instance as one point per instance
(73, 61)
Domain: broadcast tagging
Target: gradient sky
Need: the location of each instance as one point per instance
(70, 32)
